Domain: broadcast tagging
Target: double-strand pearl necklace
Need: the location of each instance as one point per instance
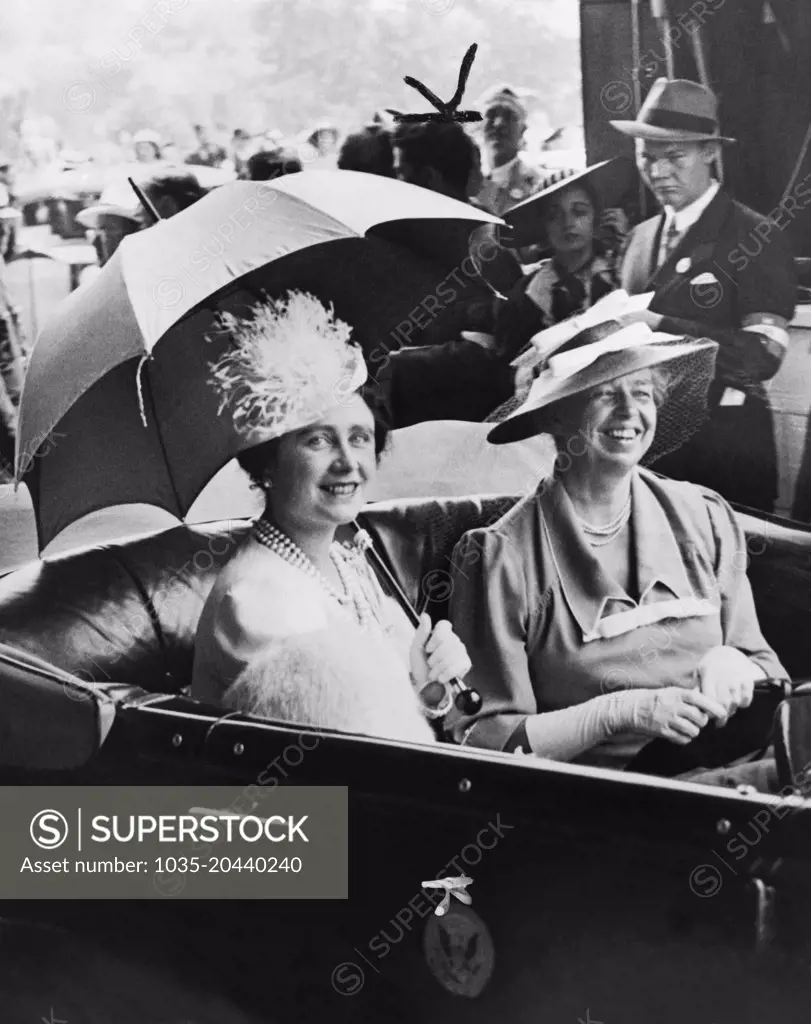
(352, 598)
(599, 536)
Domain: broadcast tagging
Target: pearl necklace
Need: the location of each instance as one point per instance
(280, 544)
(610, 531)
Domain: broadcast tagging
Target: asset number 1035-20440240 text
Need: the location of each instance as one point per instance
(225, 865)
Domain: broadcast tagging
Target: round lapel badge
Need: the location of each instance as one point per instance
(683, 265)
(459, 951)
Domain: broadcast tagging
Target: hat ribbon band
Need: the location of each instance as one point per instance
(678, 121)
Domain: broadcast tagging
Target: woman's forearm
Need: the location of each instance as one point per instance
(565, 734)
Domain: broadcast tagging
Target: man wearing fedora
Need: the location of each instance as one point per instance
(717, 270)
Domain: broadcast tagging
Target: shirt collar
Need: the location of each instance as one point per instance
(685, 218)
(548, 274)
(590, 592)
(501, 175)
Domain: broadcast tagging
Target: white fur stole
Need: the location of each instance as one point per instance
(334, 678)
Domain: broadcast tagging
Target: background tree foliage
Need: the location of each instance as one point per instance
(96, 68)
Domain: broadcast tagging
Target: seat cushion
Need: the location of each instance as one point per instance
(128, 613)
(416, 540)
(123, 613)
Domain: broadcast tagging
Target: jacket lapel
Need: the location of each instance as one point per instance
(639, 260)
(698, 244)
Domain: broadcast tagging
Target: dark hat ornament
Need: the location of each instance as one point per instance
(444, 111)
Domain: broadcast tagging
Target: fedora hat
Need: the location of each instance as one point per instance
(607, 351)
(610, 181)
(676, 109)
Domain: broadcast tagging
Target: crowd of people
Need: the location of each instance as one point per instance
(606, 554)
(444, 158)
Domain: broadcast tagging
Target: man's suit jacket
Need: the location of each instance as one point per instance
(731, 270)
(524, 181)
(731, 265)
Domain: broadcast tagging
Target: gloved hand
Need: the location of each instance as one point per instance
(437, 655)
(670, 712)
(728, 677)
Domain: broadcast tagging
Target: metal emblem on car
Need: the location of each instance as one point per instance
(459, 951)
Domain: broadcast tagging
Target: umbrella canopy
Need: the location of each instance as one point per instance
(117, 407)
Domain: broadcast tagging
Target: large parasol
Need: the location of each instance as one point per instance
(117, 407)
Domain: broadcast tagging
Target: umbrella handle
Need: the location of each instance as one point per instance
(441, 696)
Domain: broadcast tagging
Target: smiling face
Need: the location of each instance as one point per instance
(677, 173)
(613, 423)
(319, 474)
(569, 221)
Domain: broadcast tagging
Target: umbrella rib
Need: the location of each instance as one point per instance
(147, 390)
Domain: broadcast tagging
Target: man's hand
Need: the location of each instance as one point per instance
(728, 677)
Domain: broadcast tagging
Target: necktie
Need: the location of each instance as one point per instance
(671, 240)
(568, 296)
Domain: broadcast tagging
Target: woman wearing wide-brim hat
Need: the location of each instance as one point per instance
(611, 605)
(581, 220)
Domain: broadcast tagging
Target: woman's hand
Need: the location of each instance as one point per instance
(728, 677)
(672, 712)
(640, 316)
(616, 221)
(437, 655)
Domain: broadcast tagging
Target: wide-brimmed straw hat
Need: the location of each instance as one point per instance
(147, 135)
(288, 365)
(677, 110)
(610, 350)
(610, 181)
(117, 200)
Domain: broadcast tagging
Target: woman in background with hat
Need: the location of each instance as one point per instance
(297, 626)
(581, 221)
(147, 146)
(611, 605)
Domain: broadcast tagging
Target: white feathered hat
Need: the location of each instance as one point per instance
(289, 363)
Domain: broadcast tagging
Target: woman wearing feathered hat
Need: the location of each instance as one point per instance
(611, 605)
(297, 626)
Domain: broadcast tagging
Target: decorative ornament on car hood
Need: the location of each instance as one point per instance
(453, 886)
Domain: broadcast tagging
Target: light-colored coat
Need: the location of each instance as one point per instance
(271, 642)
